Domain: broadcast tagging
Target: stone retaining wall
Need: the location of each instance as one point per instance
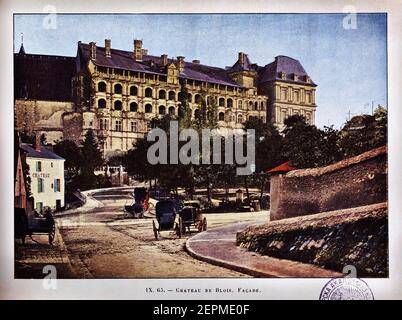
(353, 182)
(332, 240)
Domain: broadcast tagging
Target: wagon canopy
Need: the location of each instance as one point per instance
(165, 207)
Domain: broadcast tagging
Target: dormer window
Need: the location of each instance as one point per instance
(282, 75)
(307, 79)
(295, 77)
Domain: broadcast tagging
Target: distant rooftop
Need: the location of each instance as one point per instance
(44, 153)
(284, 167)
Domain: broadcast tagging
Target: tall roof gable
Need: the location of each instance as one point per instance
(284, 68)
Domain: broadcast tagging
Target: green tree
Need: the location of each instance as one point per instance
(363, 133)
(69, 150)
(330, 151)
(302, 143)
(91, 159)
(268, 151)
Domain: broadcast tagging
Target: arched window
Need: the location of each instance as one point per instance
(233, 118)
(262, 106)
(133, 107)
(189, 97)
(148, 92)
(256, 106)
(172, 95)
(102, 86)
(162, 94)
(196, 114)
(250, 105)
(221, 116)
(221, 102)
(240, 104)
(172, 111)
(118, 88)
(240, 118)
(101, 103)
(230, 103)
(198, 99)
(133, 91)
(117, 105)
(148, 108)
(162, 110)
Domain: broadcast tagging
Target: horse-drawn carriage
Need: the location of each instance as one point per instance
(166, 211)
(28, 225)
(141, 203)
(189, 215)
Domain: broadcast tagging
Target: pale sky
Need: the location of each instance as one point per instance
(349, 65)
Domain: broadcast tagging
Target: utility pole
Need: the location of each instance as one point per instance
(348, 114)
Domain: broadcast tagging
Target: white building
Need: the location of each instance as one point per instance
(46, 170)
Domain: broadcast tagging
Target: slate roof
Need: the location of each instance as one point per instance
(124, 60)
(43, 77)
(43, 154)
(246, 66)
(284, 64)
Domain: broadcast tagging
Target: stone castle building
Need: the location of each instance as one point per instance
(117, 93)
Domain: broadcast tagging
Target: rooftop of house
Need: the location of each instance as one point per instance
(44, 153)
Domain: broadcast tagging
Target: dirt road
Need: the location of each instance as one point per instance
(103, 243)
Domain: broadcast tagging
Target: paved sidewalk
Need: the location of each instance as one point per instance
(31, 257)
(218, 246)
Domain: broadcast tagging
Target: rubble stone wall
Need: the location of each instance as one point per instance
(353, 182)
(331, 240)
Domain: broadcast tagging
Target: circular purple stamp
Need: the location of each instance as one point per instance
(346, 289)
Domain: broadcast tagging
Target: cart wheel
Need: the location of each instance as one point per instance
(204, 224)
(178, 230)
(52, 234)
(156, 234)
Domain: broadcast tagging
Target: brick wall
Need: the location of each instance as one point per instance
(353, 182)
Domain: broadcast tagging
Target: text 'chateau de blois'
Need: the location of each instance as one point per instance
(117, 93)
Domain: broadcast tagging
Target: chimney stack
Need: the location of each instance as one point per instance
(108, 52)
(37, 141)
(92, 52)
(137, 50)
(180, 60)
(242, 58)
(164, 59)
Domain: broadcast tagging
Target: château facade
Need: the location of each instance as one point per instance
(117, 93)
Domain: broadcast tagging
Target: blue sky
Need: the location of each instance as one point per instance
(349, 65)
